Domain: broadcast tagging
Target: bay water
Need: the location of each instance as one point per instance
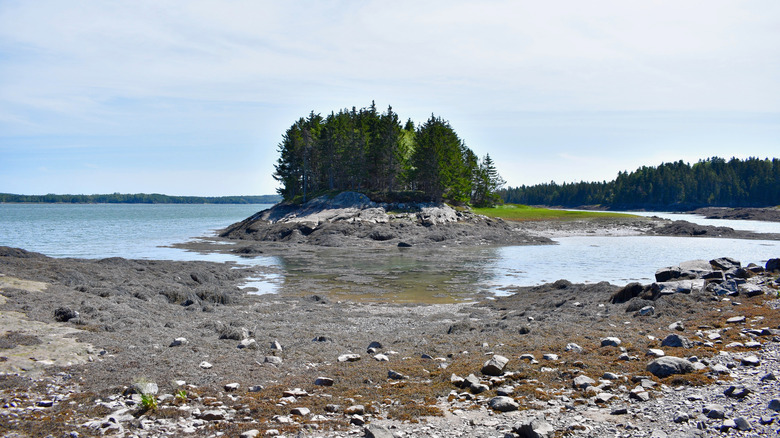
(144, 231)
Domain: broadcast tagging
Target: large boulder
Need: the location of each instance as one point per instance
(772, 265)
(668, 365)
(675, 340)
(725, 263)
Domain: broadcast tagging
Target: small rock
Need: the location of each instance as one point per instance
(678, 326)
(351, 357)
(212, 415)
(668, 365)
(768, 377)
(750, 361)
(537, 428)
(230, 387)
(736, 320)
(324, 381)
(619, 411)
(250, 434)
(550, 356)
(503, 404)
(65, 314)
(655, 352)
(774, 405)
(646, 311)
(178, 342)
(275, 345)
(610, 342)
(728, 424)
(737, 391)
(495, 366)
(248, 343)
(301, 412)
(573, 347)
(205, 365)
(255, 388)
(357, 420)
(381, 358)
(355, 410)
(273, 360)
(395, 375)
(742, 424)
(715, 411)
(682, 417)
(675, 340)
(582, 382)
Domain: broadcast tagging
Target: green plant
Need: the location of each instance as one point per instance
(148, 402)
(181, 395)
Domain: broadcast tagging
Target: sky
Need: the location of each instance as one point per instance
(192, 97)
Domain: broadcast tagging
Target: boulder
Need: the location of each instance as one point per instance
(323, 381)
(668, 365)
(495, 366)
(376, 431)
(351, 357)
(714, 410)
(772, 265)
(537, 428)
(65, 314)
(573, 348)
(610, 342)
(582, 382)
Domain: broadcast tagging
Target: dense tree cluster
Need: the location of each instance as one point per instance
(138, 198)
(371, 152)
(713, 182)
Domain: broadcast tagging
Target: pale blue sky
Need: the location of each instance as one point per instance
(192, 97)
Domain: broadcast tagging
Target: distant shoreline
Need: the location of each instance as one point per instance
(135, 198)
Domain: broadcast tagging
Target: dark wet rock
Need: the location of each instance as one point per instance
(668, 365)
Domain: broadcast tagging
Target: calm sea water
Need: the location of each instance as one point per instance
(143, 231)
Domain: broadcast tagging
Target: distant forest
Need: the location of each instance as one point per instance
(671, 186)
(138, 198)
(373, 153)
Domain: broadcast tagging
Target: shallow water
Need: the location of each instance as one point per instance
(433, 275)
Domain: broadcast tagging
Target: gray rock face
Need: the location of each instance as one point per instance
(668, 365)
(675, 340)
(503, 404)
(495, 366)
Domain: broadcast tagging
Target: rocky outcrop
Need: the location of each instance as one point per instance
(352, 219)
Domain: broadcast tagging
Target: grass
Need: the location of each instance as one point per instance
(517, 212)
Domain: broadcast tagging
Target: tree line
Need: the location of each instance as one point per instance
(752, 182)
(137, 198)
(371, 152)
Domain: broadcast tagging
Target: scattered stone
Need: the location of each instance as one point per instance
(743, 424)
(250, 433)
(275, 345)
(179, 342)
(205, 365)
(351, 357)
(655, 352)
(774, 405)
(381, 358)
(675, 340)
(678, 326)
(668, 365)
(495, 366)
(255, 388)
(301, 412)
(619, 411)
(750, 361)
(142, 387)
(230, 387)
(610, 342)
(355, 410)
(736, 320)
(324, 381)
(537, 428)
(714, 411)
(770, 376)
(610, 376)
(248, 344)
(212, 415)
(550, 356)
(573, 347)
(736, 391)
(376, 431)
(582, 382)
(65, 314)
(273, 360)
(503, 404)
(395, 375)
(646, 311)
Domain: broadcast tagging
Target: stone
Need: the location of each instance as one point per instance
(394, 375)
(357, 420)
(725, 263)
(355, 410)
(495, 366)
(610, 376)
(750, 361)
(255, 388)
(205, 365)
(301, 412)
(743, 424)
(772, 265)
(324, 381)
(527, 356)
(503, 404)
(766, 420)
(728, 424)
(677, 326)
(146, 388)
(230, 387)
(537, 428)
(179, 342)
(275, 345)
(737, 391)
(714, 411)
(720, 369)
(65, 314)
(375, 344)
(681, 417)
(619, 411)
(668, 365)
(604, 397)
(351, 357)
(646, 311)
(610, 342)
(669, 273)
(770, 376)
(505, 390)
(774, 405)
(582, 382)
(253, 433)
(573, 348)
(273, 360)
(248, 344)
(212, 415)
(655, 352)
(550, 356)
(381, 358)
(675, 340)
(751, 290)
(736, 320)
(376, 431)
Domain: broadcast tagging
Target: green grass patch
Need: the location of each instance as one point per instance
(516, 212)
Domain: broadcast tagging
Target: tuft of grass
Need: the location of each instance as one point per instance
(518, 212)
(148, 402)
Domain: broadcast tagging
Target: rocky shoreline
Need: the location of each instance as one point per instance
(89, 345)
